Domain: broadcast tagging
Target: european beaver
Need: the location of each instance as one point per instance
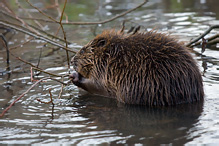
(147, 68)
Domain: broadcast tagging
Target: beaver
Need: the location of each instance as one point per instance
(144, 68)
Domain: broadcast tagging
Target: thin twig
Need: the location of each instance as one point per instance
(30, 16)
(12, 12)
(213, 42)
(93, 23)
(59, 81)
(19, 19)
(5, 44)
(36, 68)
(51, 100)
(60, 22)
(210, 40)
(60, 93)
(4, 7)
(33, 66)
(58, 8)
(38, 62)
(26, 62)
(39, 30)
(3, 113)
(49, 35)
(201, 36)
(31, 74)
(50, 6)
(40, 37)
(19, 45)
(42, 12)
(66, 44)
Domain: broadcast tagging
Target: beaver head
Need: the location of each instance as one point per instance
(147, 68)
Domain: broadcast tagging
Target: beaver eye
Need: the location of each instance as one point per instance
(82, 51)
(101, 43)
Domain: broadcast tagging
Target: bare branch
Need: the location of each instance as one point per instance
(19, 45)
(51, 100)
(3, 113)
(201, 36)
(30, 16)
(210, 41)
(5, 44)
(36, 68)
(93, 23)
(37, 36)
(42, 12)
(66, 44)
(36, 29)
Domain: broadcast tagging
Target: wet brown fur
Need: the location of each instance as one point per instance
(146, 68)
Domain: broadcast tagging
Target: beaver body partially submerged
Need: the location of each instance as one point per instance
(146, 68)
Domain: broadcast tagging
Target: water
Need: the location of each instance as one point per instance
(86, 119)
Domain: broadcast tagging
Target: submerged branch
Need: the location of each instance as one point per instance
(22, 95)
(3, 113)
(210, 41)
(190, 44)
(51, 100)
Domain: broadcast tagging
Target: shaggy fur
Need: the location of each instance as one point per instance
(147, 68)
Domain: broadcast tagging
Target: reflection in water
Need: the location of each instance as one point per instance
(96, 120)
(142, 124)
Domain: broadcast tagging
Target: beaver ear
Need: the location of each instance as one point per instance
(101, 43)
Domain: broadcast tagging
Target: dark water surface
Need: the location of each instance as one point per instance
(87, 119)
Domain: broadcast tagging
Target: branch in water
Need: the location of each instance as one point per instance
(210, 41)
(190, 44)
(3, 113)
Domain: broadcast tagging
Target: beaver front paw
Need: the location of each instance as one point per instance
(75, 77)
(87, 84)
(79, 80)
